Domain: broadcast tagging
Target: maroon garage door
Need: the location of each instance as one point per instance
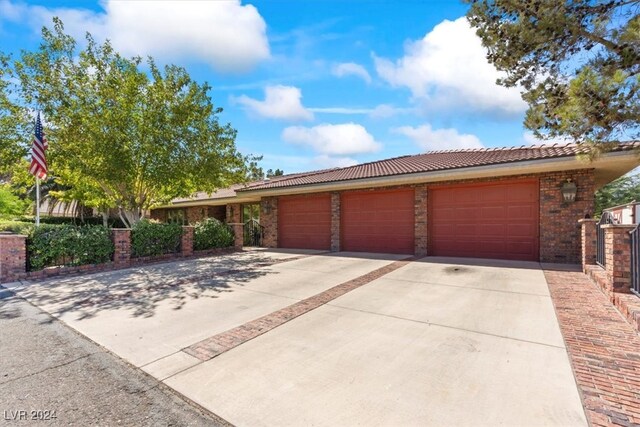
(378, 221)
(485, 221)
(304, 222)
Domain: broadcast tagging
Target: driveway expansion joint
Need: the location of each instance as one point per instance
(221, 343)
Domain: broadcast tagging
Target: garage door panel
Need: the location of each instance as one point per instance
(485, 221)
(378, 221)
(304, 222)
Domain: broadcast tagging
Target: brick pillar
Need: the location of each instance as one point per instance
(13, 256)
(186, 242)
(269, 220)
(234, 219)
(335, 222)
(121, 238)
(420, 224)
(617, 252)
(589, 237)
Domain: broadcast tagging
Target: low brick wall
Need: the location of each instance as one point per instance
(614, 279)
(13, 249)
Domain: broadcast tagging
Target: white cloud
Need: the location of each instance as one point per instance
(528, 138)
(341, 140)
(280, 102)
(226, 35)
(292, 164)
(341, 110)
(448, 68)
(351, 69)
(430, 139)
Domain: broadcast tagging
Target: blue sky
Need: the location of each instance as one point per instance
(311, 84)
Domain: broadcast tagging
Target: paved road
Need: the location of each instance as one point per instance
(45, 366)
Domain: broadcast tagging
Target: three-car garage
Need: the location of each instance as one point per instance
(490, 220)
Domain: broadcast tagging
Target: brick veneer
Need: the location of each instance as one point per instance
(269, 219)
(121, 238)
(234, 219)
(560, 234)
(420, 225)
(335, 221)
(617, 253)
(588, 239)
(186, 241)
(13, 255)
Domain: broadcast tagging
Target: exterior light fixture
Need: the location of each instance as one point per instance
(569, 191)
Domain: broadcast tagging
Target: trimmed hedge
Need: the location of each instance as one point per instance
(211, 233)
(153, 238)
(50, 245)
(89, 220)
(18, 227)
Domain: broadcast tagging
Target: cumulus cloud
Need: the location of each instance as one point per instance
(430, 139)
(341, 140)
(448, 68)
(227, 35)
(351, 69)
(280, 102)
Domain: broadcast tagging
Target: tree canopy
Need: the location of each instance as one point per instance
(124, 133)
(576, 61)
(623, 190)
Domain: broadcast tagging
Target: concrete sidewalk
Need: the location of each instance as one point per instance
(45, 366)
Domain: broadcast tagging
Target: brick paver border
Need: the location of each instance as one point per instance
(225, 341)
(604, 349)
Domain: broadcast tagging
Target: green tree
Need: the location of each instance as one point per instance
(11, 204)
(277, 172)
(576, 61)
(623, 190)
(123, 137)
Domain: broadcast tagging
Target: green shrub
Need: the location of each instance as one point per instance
(18, 227)
(212, 233)
(88, 220)
(49, 245)
(10, 204)
(153, 238)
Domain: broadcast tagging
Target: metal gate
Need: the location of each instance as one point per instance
(635, 260)
(253, 232)
(606, 218)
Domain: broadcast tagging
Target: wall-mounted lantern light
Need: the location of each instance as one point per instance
(569, 191)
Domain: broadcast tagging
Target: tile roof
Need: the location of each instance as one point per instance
(434, 161)
(230, 191)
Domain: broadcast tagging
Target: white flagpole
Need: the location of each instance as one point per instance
(37, 201)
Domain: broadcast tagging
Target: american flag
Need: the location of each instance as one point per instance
(38, 166)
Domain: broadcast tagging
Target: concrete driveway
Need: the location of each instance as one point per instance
(434, 342)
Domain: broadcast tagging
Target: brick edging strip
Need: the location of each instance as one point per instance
(603, 348)
(225, 341)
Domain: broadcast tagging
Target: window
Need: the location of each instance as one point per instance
(176, 216)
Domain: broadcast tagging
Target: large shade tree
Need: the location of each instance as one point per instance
(123, 132)
(576, 61)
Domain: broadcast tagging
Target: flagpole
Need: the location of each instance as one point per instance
(37, 201)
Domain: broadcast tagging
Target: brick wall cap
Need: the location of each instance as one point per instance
(12, 236)
(619, 226)
(583, 220)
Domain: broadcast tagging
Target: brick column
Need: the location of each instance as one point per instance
(420, 224)
(269, 220)
(13, 256)
(186, 242)
(121, 238)
(335, 222)
(234, 219)
(617, 252)
(589, 237)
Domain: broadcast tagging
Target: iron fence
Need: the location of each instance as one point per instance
(253, 232)
(606, 218)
